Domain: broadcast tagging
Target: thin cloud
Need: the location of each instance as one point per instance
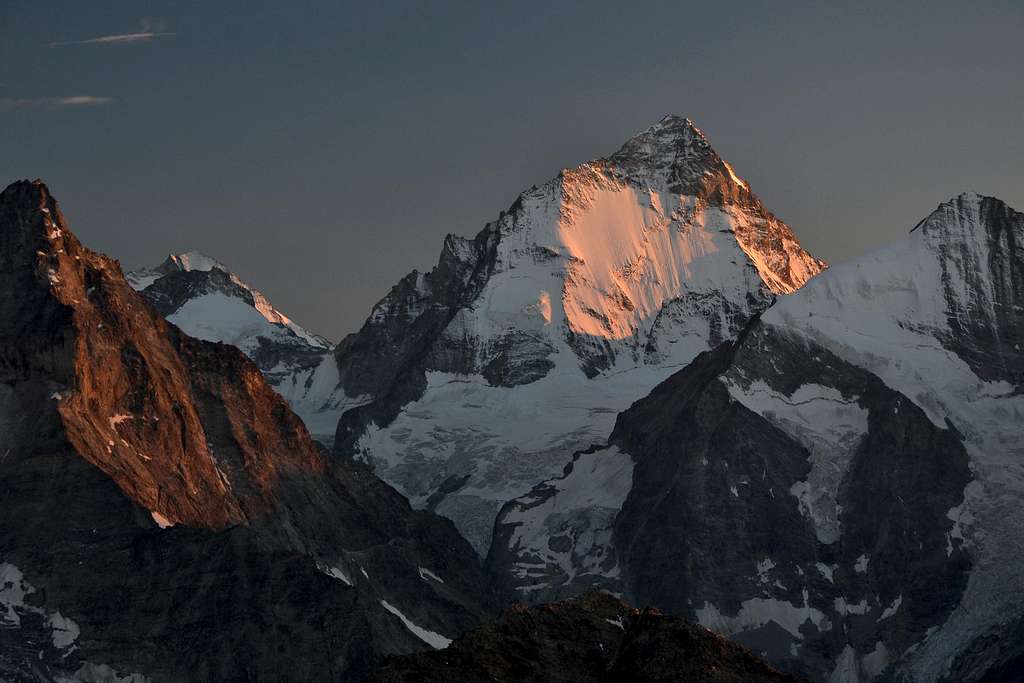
(118, 39)
(53, 102)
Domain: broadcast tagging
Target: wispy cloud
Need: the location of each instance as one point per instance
(117, 39)
(53, 102)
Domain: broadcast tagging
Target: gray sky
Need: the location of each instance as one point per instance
(323, 149)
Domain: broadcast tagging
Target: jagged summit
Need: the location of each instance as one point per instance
(184, 262)
(675, 153)
(31, 200)
(969, 210)
(672, 136)
(191, 260)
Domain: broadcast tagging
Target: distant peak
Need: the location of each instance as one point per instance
(673, 133)
(191, 261)
(969, 199)
(677, 122)
(968, 212)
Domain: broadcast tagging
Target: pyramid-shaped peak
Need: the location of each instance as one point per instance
(671, 137)
(676, 122)
(192, 260)
(970, 212)
(674, 154)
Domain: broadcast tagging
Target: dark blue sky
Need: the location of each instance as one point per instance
(323, 149)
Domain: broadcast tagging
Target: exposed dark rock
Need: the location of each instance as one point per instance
(711, 498)
(388, 357)
(593, 638)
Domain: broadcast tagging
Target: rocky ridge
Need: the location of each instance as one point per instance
(592, 638)
(202, 297)
(163, 514)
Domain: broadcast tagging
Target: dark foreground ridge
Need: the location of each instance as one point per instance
(596, 637)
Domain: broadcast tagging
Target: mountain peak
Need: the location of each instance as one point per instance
(190, 261)
(670, 136)
(23, 198)
(967, 212)
(675, 153)
(675, 121)
(26, 188)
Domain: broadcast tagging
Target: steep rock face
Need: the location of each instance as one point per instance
(164, 515)
(834, 489)
(521, 345)
(206, 300)
(978, 241)
(593, 638)
(812, 521)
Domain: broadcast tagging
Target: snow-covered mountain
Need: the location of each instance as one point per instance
(476, 381)
(841, 487)
(206, 300)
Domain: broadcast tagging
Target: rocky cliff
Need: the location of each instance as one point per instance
(164, 515)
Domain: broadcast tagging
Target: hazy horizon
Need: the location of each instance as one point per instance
(323, 150)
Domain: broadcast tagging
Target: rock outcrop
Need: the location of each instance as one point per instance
(593, 638)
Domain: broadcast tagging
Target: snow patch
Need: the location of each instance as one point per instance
(758, 612)
(160, 520)
(434, 640)
(427, 574)
(334, 573)
(763, 567)
(827, 570)
(891, 609)
(118, 419)
(13, 589)
(843, 607)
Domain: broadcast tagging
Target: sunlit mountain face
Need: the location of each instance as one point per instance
(477, 380)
